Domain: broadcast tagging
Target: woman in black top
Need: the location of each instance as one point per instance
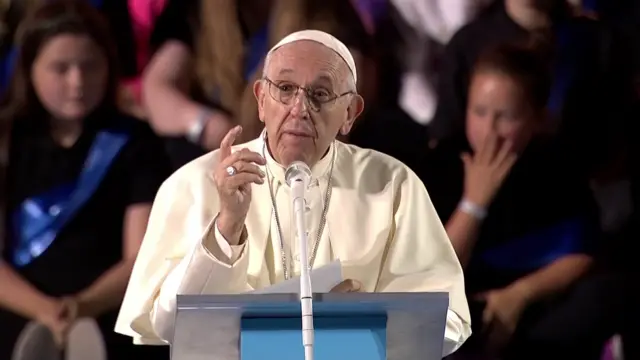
(79, 182)
(521, 220)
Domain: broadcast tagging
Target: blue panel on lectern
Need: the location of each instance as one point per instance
(336, 338)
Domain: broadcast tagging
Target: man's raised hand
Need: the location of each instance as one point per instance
(233, 176)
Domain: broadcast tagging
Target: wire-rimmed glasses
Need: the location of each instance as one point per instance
(285, 92)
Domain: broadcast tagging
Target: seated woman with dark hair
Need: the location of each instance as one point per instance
(79, 181)
(521, 220)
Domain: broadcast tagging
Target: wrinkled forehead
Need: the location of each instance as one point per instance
(307, 62)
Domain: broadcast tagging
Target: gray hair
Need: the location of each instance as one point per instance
(351, 81)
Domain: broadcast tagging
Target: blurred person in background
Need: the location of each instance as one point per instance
(11, 12)
(429, 26)
(412, 39)
(79, 180)
(131, 23)
(522, 221)
(623, 227)
(198, 84)
(589, 91)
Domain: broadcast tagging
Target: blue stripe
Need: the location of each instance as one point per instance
(538, 249)
(39, 219)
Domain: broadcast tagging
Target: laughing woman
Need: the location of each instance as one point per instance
(79, 179)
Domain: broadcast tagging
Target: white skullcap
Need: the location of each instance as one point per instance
(325, 39)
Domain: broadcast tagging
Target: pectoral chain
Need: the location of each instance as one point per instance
(323, 219)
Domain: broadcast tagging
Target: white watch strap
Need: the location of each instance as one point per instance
(472, 209)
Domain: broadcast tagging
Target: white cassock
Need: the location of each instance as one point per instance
(377, 203)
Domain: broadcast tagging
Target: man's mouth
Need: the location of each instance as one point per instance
(298, 133)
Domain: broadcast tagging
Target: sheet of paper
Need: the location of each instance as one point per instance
(323, 279)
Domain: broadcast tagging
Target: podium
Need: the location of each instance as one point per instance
(354, 326)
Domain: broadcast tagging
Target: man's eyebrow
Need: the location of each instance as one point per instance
(285, 71)
(323, 78)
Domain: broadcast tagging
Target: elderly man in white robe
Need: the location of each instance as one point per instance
(222, 223)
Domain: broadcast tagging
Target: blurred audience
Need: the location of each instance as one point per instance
(411, 39)
(522, 223)
(431, 24)
(588, 95)
(79, 178)
(131, 22)
(517, 114)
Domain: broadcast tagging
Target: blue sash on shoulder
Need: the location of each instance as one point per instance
(536, 250)
(39, 219)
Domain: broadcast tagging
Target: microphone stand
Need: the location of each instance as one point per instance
(298, 176)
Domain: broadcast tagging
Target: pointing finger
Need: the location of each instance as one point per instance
(227, 142)
(504, 152)
(489, 146)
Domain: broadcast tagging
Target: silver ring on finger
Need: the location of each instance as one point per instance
(231, 170)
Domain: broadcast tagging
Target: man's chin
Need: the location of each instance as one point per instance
(297, 143)
(291, 154)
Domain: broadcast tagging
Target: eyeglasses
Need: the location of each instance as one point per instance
(285, 92)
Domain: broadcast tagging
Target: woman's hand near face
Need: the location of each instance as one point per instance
(485, 171)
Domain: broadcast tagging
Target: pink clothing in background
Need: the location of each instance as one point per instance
(143, 14)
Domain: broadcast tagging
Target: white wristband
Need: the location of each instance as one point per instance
(472, 209)
(194, 134)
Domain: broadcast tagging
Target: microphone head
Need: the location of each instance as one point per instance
(297, 171)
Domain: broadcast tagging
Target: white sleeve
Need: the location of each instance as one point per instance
(212, 267)
(455, 333)
(230, 252)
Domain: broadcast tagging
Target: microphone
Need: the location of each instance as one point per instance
(298, 177)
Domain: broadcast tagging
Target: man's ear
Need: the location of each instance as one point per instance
(259, 92)
(353, 111)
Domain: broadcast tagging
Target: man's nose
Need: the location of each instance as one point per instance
(300, 104)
